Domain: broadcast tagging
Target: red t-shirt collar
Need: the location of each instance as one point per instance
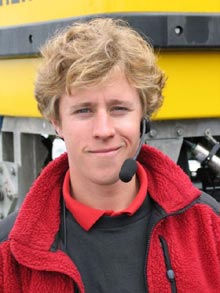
(87, 216)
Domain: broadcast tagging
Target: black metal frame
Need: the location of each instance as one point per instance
(163, 30)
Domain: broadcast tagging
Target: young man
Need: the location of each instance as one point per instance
(81, 227)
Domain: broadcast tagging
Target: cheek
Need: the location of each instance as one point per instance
(135, 127)
(133, 134)
(74, 138)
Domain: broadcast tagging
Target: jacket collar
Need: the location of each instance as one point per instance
(168, 185)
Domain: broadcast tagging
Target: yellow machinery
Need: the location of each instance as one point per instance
(186, 37)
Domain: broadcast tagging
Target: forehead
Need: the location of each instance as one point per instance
(116, 87)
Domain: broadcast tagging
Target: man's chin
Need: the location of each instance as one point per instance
(106, 179)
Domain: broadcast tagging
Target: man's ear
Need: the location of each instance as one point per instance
(57, 126)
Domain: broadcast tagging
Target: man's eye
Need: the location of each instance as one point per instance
(83, 111)
(120, 109)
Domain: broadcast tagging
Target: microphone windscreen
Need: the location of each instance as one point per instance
(128, 170)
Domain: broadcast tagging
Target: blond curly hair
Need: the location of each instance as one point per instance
(86, 53)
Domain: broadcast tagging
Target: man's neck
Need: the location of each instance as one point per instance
(115, 197)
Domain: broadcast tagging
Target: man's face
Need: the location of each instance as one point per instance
(101, 129)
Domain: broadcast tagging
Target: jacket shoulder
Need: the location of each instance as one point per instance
(208, 200)
(6, 226)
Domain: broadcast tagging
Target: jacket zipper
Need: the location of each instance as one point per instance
(170, 273)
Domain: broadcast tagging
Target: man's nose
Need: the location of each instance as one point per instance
(103, 126)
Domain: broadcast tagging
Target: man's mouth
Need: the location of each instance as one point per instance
(105, 150)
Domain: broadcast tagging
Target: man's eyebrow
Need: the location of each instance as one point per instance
(119, 102)
(82, 104)
(109, 103)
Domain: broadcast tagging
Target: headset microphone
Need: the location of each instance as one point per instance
(129, 167)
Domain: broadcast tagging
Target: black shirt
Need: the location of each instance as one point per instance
(111, 255)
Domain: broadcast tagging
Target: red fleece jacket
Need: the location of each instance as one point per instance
(190, 228)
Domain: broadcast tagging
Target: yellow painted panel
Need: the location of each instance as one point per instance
(193, 85)
(192, 91)
(17, 86)
(30, 11)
